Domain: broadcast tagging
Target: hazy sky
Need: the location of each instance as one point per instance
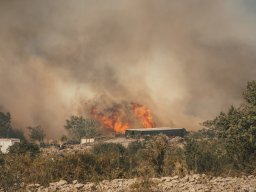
(185, 59)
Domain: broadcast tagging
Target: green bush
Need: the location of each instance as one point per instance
(24, 147)
(236, 130)
(206, 156)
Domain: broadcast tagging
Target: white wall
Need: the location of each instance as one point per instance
(6, 143)
(87, 140)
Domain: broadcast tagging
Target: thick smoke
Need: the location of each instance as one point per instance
(186, 60)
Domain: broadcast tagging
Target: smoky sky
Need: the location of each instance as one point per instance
(185, 59)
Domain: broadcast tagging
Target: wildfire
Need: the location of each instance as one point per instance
(143, 113)
(112, 122)
(119, 117)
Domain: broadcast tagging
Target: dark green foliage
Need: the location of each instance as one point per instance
(17, 133)
(6, 129)
(237, 128)
(24, 148)
(250, 93)
(37, 134)
(5, 124)
(205, 155)
(79, 127)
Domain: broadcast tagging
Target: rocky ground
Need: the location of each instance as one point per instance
(191, 183)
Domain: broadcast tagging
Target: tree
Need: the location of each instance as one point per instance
(79, 127)
(250, 93)
(37, 134)
(237, 128)
(6, 129)
(5, 124)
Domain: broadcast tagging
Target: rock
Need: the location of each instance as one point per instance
(79, 186)
(53, 184)
(200, 183)
(186, 178)
(175, 181)
(191, 179)
(89, 187)
(196, 177)
(166, 179)
(252, 189)
(61, 183)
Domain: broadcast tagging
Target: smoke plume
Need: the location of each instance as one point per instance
(186, 60)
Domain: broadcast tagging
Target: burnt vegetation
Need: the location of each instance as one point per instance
(226, 146)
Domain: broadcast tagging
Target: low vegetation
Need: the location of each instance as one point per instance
(227, 146)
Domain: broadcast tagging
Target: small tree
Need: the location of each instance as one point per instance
(37, 134)
(6, 129)
(79, 127)
(237, 128)
(5, 124)
(154, 151)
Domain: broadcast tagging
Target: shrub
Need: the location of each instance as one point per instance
(23, 148)
(205, 156)
(111, 160)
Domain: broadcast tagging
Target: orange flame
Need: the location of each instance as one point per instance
(112, 122)
(143, 113)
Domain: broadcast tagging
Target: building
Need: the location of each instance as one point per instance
(5, 143)
(87, 140)
(171, 132)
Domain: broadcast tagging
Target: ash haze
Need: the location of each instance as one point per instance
(184, 59)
